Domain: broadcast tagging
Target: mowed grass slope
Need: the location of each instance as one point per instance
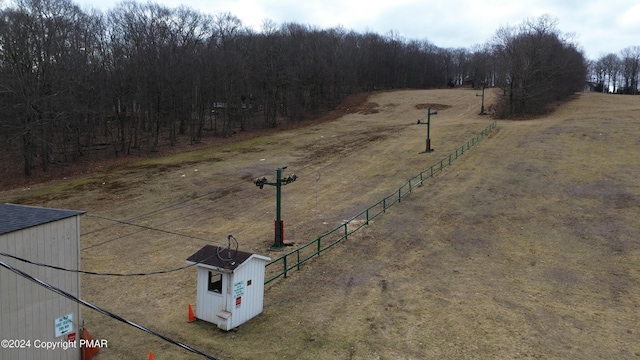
(527, 246)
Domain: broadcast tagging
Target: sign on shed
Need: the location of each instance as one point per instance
(63, 325)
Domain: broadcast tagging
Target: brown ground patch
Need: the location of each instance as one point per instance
(369, 108)
(432, 106)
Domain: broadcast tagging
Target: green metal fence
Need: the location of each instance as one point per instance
(293, 259)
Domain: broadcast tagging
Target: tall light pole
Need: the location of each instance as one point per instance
(482, 107)
(428, 123)
(279, 225)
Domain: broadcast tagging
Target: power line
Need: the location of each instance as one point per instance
(140, 226)
(127, 222)
(103, 311)
(99, 273)
(175, 205)
(162, 209)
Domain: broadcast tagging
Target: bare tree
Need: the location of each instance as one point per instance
(480, 70)
(44, 59)
(630, 65)
(607, 70)
(537, 67)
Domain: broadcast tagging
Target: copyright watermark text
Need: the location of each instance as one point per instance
(53, 345)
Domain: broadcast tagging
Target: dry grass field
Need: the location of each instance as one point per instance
(526, 247)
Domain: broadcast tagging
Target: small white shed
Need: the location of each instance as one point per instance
(230, 285)
(30, 313)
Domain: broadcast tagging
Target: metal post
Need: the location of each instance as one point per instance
(428, 148)
(279, 241)
(482, 107)
(284, 262)
(428, 129)
(279, 225)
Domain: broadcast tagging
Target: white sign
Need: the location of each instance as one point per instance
(63, 325)
(238, 288)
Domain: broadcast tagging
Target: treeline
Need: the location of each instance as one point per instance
(77, 84)
(617, 73)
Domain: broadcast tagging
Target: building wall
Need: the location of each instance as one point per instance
(28, 310)
(234, 285)
(209, 303)
(252, 297)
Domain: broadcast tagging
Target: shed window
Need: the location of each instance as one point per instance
(215, 282)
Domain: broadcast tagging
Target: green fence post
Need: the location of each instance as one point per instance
(318, 240)
(367, 214)
(298, 253)
(284, 261)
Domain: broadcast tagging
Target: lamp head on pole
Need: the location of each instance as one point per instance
(260, 182)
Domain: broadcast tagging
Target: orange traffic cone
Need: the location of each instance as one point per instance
(192, 317)
(88, 351)
(150, 355)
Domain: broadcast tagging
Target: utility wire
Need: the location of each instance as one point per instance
(163, 208)
(140, 226)
(223, 190)
(103, 311)
(99, 273)
(127, 222)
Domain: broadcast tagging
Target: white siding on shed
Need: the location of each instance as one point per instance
(209, 303)
(253, 297)
(28, 310)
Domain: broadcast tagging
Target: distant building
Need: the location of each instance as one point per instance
(468, 83)
(29, 311)
(589, 87)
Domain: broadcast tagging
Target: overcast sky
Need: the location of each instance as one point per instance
(600, 26)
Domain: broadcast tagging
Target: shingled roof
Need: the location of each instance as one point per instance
(17, 217)
(221, 258)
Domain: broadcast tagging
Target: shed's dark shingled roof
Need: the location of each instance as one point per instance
(17, 217)
(209, 255)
